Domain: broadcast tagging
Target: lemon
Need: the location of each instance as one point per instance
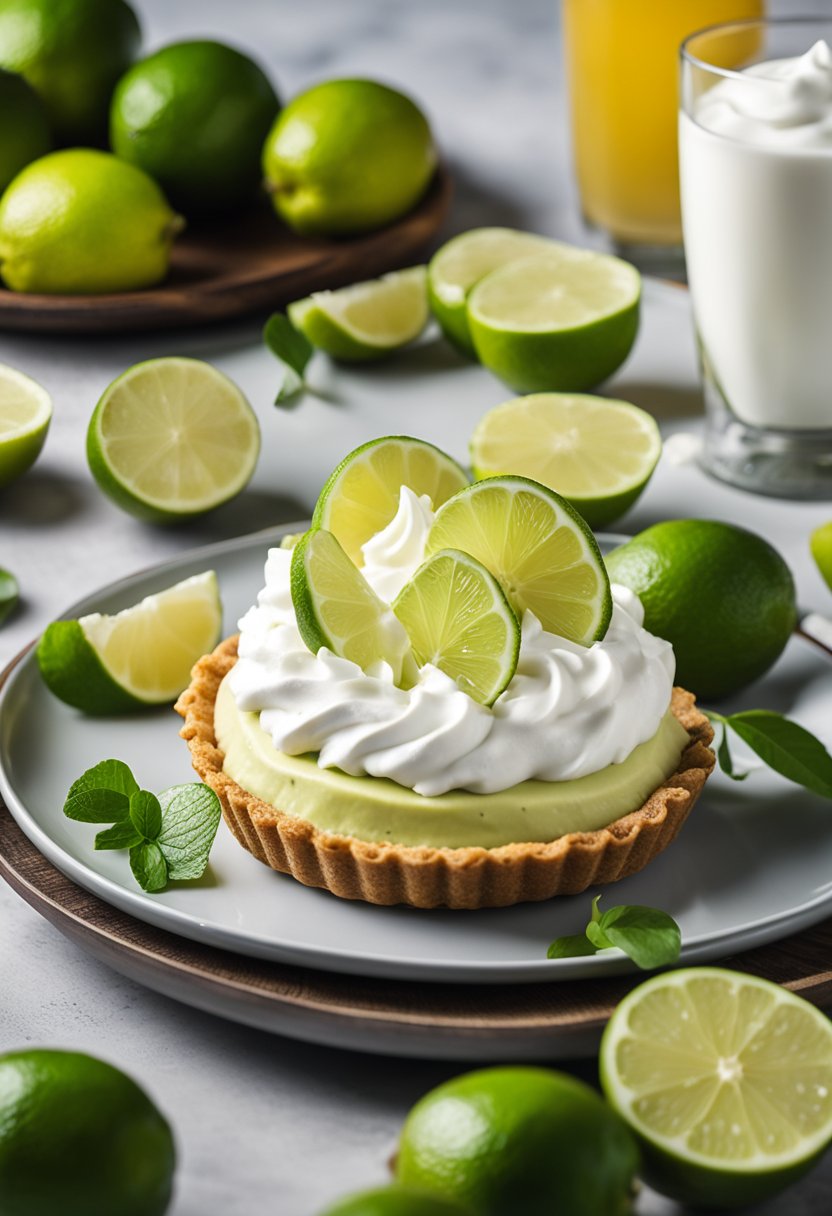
(821, 546)
(722, 596)
(538, 548)
(457, 617)
(194, 116)
(81, 222)
(348, 156)
(367, 320)
(564, 320)
(24, 135)
(141, 656)
(599, 454)
(172, 438)
(462, 262)
(725, 1078)
(25, 414)
(79, 1138)
(520, 1142)
(395, 1201)
(72, 52)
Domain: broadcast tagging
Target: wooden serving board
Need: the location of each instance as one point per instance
(248, 264)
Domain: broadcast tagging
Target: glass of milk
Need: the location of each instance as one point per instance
(755, 152)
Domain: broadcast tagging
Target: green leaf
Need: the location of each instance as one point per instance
(596, 911)
(190, 817)
(119, 836)
(596, 935)
(146, 814)
(650, 937)
(576, 946)
(787, 748)
(101, 794)
(726, 762)
(9, 594)
(292, 348)
(149, 866)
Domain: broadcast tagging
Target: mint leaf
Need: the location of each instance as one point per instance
(596, 935)
(575, 946)
(787, 748)
(148, 865)
(146, 814)
(119, 836)
(101, 794)
(292, 348)
(650, 937)
(9, 594)
(190, 817)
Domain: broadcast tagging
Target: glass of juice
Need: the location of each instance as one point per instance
(755, 152)
(622, 67)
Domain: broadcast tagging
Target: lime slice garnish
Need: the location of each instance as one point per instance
(597, 453)
(336, 607)
(362, 495)
(563, 320)
(25, 414)
(458, 618)
(367, 320)
(538, 548)
(462, 262)
(821, 546)
(172, 438)
(141, 656)
(725, 1078)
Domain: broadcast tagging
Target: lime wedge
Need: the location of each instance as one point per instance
(368, 320)
(141, 656)
(725, 1078)
(172, 438)
(597, 453)
(821, 546)
(25, 414)
(362, 495)
(335, 607)
(462, 262)
(563, 320)
(458, 618)
(538, 548)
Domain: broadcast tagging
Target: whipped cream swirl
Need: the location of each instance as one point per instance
(569, 711)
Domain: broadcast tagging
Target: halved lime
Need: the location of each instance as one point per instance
(725, 1078)
(336, 607)
(141, 656)
(538, 548)
(172, 438)
(462, 262)
(821, 546)
(367, 320)
(25, 414)
(563, 320)
(458, 618)
(597, 453)
(362, 495)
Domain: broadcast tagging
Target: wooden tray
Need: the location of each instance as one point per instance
(251, 263)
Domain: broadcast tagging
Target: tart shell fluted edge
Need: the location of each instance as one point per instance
(452, 878)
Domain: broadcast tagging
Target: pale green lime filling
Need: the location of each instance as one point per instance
(375, 809)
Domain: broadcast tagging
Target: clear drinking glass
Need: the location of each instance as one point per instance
(755, 150)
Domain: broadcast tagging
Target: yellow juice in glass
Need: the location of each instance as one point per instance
(622, 60)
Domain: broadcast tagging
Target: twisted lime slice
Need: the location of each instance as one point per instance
(366, 320)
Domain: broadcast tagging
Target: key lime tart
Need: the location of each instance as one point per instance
(439, 699)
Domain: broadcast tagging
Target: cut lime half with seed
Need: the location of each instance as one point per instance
(458, 618)
(564, 320)
(362, 495)
(367, 320)
(141, 656)
(25, 414)
(172, 438)
(538, 548)
(335, 607)
(597, 453)
(725, 1078)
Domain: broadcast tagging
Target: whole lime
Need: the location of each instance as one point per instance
(194, 115)
(348, 156)
(79, 222)
(24, 133)
(722, 596)
(519, 1142)
(72, 52)
(821, 546)
(395, 1201)
(79, 1138)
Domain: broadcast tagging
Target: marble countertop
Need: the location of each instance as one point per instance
(264, 1123)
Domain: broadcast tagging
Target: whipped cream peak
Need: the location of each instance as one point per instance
(393, 556)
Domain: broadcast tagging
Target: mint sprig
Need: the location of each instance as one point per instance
(292, 349)
(169, 837)
(783, 745)
(648, 936)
